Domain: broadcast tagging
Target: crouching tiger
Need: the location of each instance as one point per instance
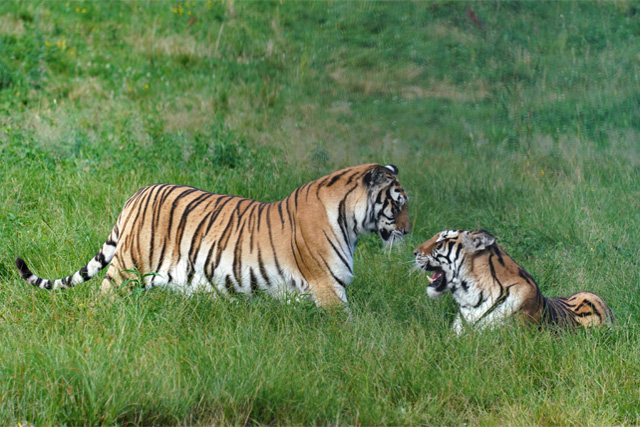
(489, 286)
(194, 240)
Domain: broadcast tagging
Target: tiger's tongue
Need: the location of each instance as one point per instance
(435, 277)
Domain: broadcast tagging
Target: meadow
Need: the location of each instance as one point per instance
(521, 118)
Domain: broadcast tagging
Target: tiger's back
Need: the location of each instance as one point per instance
(192, 240)
(201, 240)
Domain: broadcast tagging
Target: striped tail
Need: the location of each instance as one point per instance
(100, 261)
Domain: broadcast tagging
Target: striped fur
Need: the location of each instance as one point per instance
(195, 240)
(490, 287)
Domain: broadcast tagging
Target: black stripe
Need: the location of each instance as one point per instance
(229, 285)
(273, 248)
(219, 243)
(253, 280)
(261, 207)
(263, 272)
(191, 271)
(595, 310)
(498, 252)
(193, 247)
(342, 222)
(355, 224)
(84, 273)
(480, 300)
(526, 276)
(252, 221)
(337, 251)
(295, 258)
(218, 210)
(174, 205)
(306, 197)
(100, 258)
(148, 195)
(295, 197)
(280, 211)
(458, 255)
(493, 273)
(294, 241)
(335, 178)
(353, 175)
(223, 240)
(185, 216)
(237, 257)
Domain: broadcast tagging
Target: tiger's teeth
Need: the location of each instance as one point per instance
(430, 279)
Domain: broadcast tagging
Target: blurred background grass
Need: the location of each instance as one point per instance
(518, 117)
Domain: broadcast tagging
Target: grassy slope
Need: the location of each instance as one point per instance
(523, 123)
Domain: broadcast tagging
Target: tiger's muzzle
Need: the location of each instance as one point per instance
(401, 227)
(438, 283)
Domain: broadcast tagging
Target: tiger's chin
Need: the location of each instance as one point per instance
(391, 238)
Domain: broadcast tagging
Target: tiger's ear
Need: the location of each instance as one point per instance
(393, 169)
(377, 175)
(478, 241)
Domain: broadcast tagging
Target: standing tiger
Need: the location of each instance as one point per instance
(193, 240)
(489, 286)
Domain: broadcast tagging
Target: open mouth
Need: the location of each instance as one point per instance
(436, 279)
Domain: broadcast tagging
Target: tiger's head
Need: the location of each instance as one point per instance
(387, 208)
(449, 255)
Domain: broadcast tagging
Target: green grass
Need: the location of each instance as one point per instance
(524, 122)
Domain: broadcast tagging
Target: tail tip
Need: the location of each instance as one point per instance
(22, 268)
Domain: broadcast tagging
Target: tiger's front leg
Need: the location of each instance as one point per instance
(329, 293)
(479, 321)
(458, 326)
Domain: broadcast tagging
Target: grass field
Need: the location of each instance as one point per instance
(519, 118)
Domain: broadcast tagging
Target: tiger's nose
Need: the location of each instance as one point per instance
(415, 252)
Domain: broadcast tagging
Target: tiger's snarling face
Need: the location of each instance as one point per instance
(445, 255)
(388, 210)
(489, 286)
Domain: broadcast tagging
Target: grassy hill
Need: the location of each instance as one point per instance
(519, 118)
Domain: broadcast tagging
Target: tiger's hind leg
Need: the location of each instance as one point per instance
(117, 274)
(589, 309)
